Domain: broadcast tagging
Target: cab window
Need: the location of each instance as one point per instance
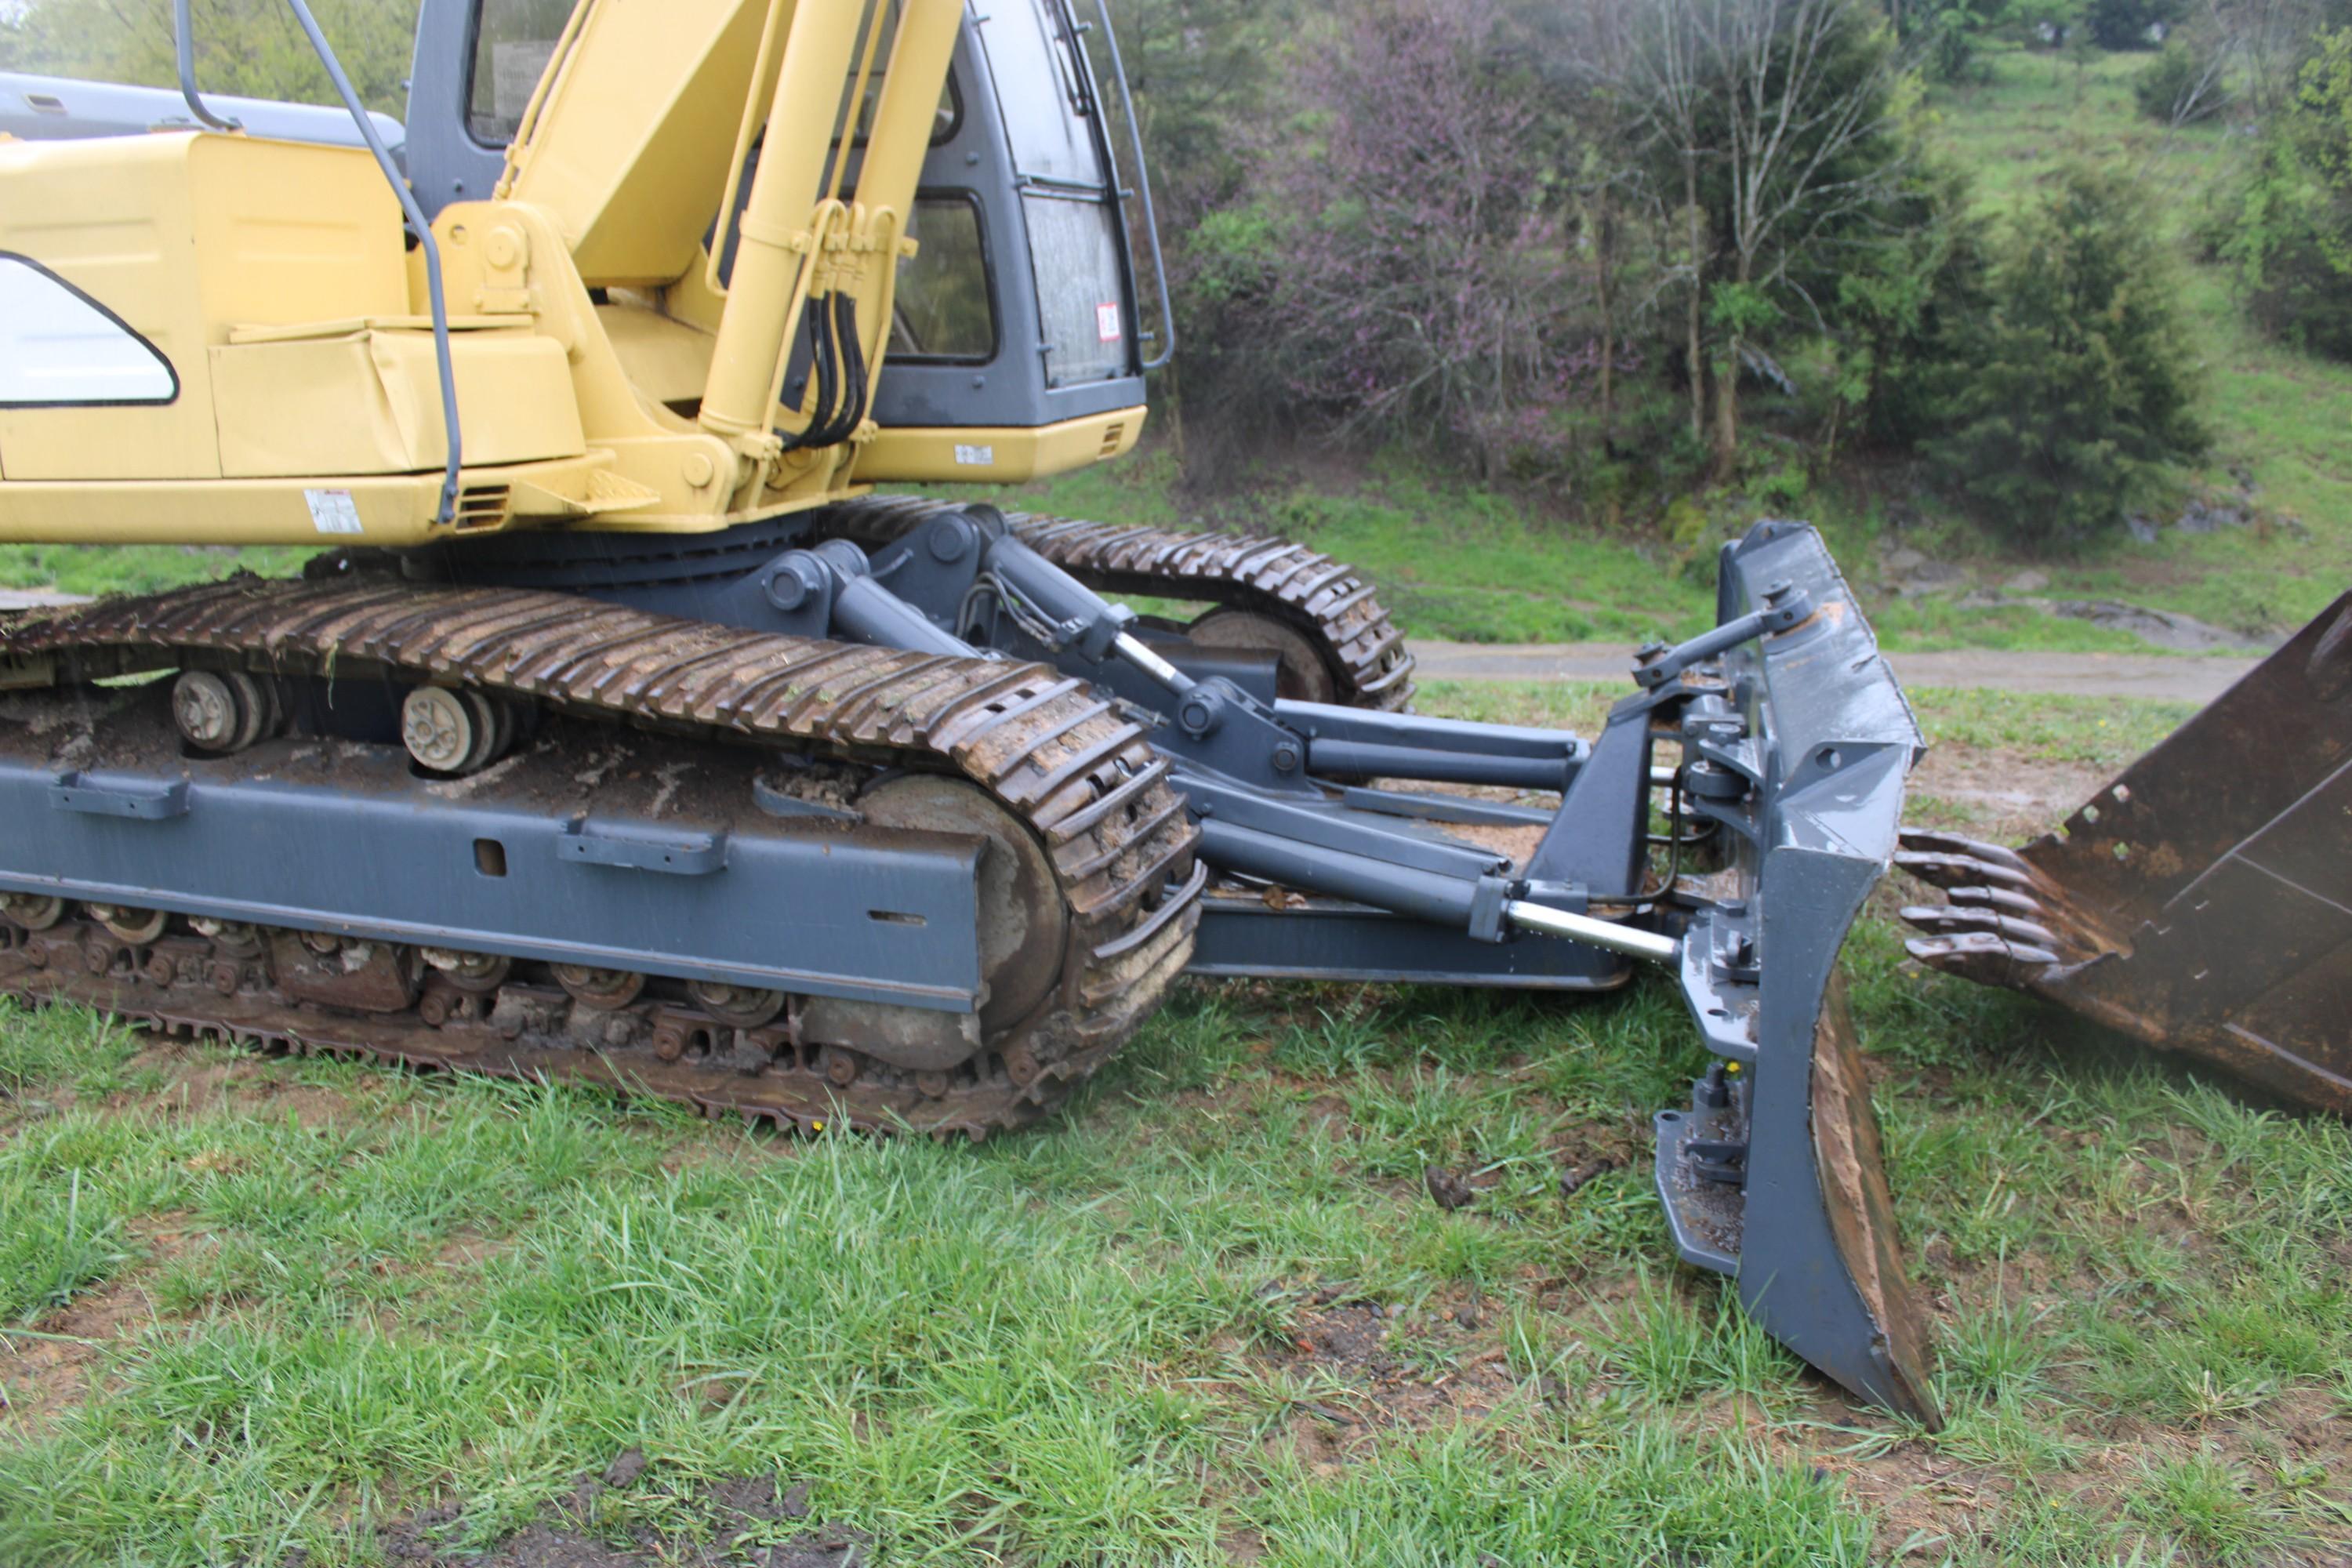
(513, 41)
(943, 310)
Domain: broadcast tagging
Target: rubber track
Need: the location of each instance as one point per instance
(1327, 600)
(1087, 781)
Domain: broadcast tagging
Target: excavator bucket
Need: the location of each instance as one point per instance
(2202, 900)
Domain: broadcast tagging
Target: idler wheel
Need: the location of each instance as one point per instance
(1023, 923)
(222, 711)
(450, 732)
(205, 709)
(738, 1006)
(1300, 674)
(610, 989)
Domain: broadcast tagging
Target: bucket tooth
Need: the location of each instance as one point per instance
(2202, 900)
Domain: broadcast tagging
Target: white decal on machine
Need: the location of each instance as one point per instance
(58, 347)
(333, 511)
(976, 456)
(1106, 322)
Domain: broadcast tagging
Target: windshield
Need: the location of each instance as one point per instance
(1047, 101)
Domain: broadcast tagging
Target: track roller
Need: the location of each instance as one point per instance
(455, 733)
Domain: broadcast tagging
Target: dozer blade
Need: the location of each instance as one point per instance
(1775, 1175)
(2203, 900)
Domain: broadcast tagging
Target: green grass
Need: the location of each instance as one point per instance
(334, 1296)
(137, 568)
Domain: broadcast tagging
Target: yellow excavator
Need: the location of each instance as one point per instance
(622, 732)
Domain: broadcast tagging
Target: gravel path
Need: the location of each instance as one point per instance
(2179, 677)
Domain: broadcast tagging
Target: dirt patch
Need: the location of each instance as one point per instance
(2007, 796)
(754, 1523)
(47, 1371)
(206, 1078)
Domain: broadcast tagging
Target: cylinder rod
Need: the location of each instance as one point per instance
(1611, 934)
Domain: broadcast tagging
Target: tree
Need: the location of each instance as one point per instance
(2186, 83)
(1417, 216)
(2289, 238)
(1779, 120)
(2077, 391)
(1911, 314)
(252, 49)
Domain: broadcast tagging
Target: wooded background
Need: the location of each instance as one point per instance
(1628, 251)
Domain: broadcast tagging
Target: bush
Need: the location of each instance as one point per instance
(2130, 24)
(2182, 85)
(2289, 234)
(2079, 392)
(1954, 30)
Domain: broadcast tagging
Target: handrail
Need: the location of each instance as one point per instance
(417, 224)
(185, 40)
(1143, 188)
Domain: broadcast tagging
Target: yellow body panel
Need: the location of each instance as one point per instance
(369, 402)
(1006, 455)
(388, 510)
(186, 237)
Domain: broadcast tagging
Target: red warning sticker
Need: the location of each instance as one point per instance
(1106, 322)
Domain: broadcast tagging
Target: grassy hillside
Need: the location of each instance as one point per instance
(1456, 560)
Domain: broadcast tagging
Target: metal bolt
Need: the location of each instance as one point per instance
(793, 583)
(951, 539)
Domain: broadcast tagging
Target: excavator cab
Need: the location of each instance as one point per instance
(1019, 309)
